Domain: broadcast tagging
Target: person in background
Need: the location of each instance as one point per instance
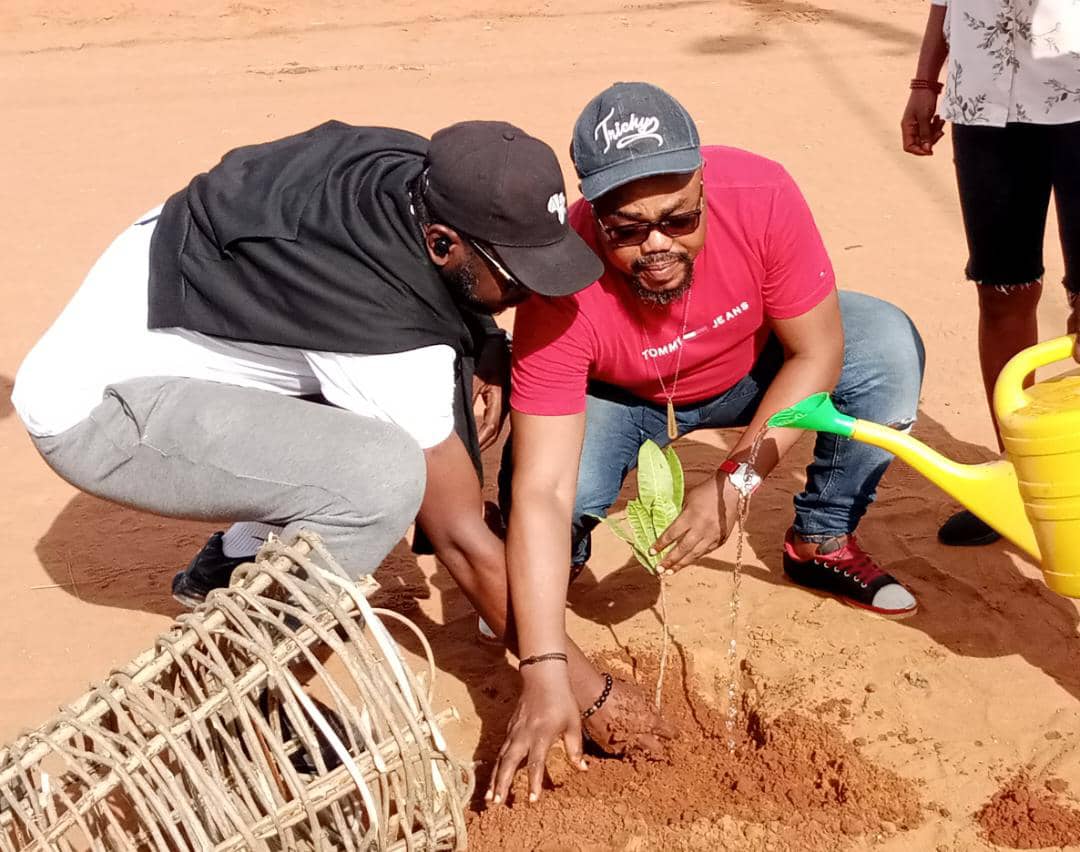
(1012, 94)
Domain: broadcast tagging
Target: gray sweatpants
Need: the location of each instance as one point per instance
(188, 448)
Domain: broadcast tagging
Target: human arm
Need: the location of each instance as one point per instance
(813, 345)
(546, 454)
(554, 695)
(452, 516)
(920, 126)
(415, 389)
(491, 378)
(491, 384)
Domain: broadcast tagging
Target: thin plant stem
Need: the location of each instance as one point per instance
(664, 646)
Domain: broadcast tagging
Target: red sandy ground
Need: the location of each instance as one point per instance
(1027, 815)
(794, 782)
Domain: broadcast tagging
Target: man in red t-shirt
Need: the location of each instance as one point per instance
(717, 308)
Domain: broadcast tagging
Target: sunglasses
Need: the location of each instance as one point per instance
(675, 225)
(510, 283)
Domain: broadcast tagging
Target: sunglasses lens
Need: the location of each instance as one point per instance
(629, 235)
(679, 225)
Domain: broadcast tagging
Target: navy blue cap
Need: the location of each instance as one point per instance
(631, 131)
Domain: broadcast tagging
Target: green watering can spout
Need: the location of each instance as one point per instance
(817, 414)
(990, 490)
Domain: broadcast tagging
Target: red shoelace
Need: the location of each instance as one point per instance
(853, 561)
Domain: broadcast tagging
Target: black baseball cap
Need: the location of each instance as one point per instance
(631, 131)
(499, 185)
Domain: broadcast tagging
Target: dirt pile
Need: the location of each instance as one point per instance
(1027, 815)
(792, 783)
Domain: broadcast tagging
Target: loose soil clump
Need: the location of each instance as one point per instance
(1026, 815)
(791, 783)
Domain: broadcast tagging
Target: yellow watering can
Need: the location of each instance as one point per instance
(1034, 498)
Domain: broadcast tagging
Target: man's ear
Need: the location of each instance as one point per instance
(441, 242)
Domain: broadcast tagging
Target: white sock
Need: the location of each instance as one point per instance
(245, 538)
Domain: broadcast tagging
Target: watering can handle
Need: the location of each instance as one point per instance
(1009, 393)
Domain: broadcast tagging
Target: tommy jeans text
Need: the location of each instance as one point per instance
(717, 321)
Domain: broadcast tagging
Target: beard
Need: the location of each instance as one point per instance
(461, 282)
(661, 297)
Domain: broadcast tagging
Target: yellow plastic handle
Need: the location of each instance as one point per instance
(1009, 393)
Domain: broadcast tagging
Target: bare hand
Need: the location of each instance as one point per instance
(921, 127)
(491, 383)
(546, 712)
(627, 721)
(707, 519)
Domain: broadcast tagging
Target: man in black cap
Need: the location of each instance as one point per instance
(717, 308)
(355, 264)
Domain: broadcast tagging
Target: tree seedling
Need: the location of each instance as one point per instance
(660, 500)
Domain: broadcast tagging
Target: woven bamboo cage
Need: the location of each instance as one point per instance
(214, 739)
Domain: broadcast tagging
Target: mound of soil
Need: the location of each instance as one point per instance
(791, 783)
(1027, 815)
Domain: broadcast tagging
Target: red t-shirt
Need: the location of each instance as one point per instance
(763, 258)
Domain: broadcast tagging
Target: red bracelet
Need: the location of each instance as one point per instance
(933, 85)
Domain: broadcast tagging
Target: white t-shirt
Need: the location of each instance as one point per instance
(101, 338)
(1012, 61)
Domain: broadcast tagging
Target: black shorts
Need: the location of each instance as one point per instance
(1005, 175)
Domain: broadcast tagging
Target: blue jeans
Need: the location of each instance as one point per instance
(880, 381)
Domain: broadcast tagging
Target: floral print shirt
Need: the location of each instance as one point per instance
(1012, 61)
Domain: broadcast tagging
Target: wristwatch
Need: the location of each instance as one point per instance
(745, 479)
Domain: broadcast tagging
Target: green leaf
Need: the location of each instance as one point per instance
(619, 530)
(641, 524)
(661, 492)
(647, 562)
(663, 513)
(678, 482)
(654, 474)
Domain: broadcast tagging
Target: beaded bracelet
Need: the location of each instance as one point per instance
(542, 658)
(933, 85)
(599, 702)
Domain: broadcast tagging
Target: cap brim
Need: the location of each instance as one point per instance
(627, 171)
(559, 269)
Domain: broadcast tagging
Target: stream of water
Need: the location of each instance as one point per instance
(732, 719)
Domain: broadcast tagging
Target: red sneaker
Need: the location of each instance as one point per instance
(842, 568)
